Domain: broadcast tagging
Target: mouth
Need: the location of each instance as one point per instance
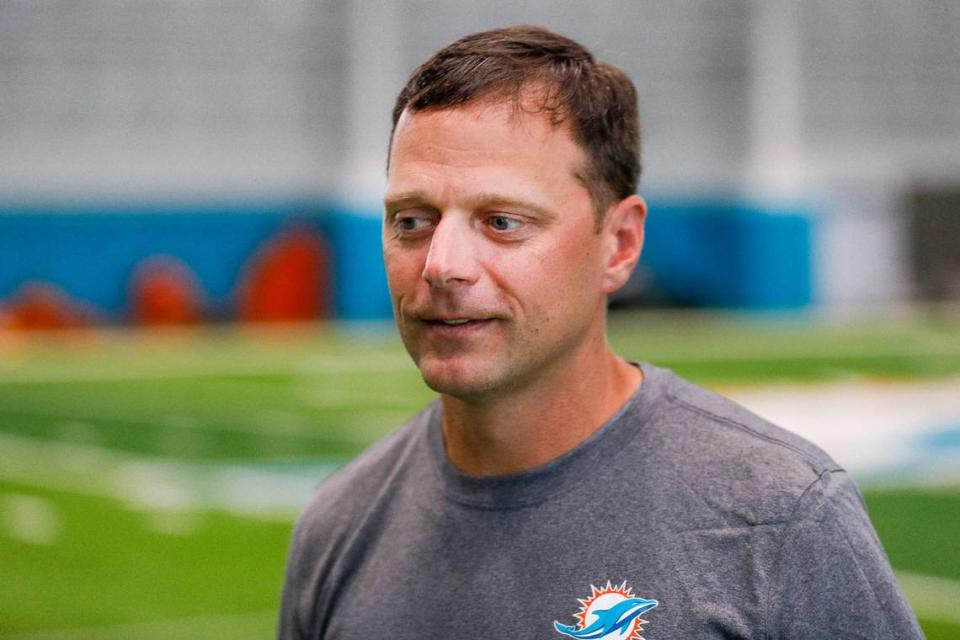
(456, 326)
(454, 322)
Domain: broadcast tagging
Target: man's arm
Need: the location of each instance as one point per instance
(289, 627)
(832, 578)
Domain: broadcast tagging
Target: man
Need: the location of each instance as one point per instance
(555, 490)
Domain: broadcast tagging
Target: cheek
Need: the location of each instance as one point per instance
(554, 282)
(575, 263)
(403, 268)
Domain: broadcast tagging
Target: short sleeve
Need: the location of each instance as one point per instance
(288, 626)
(832, 578)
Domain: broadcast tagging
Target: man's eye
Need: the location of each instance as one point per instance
(407, 224)
(504, 223)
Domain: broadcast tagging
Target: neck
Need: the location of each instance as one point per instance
(528, 427)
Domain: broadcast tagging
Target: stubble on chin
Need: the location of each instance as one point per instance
(461, 380)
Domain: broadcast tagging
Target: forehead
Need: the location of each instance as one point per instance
(484, 140)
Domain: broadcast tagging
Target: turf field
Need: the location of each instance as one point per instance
(148, 481)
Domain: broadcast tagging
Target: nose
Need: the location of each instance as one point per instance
(451, 259)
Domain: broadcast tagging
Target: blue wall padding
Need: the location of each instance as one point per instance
(730, 254)
(360, 291)
(91, 253)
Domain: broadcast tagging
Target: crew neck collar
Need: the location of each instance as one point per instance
(530, 487)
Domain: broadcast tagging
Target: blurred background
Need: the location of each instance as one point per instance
(194, 323)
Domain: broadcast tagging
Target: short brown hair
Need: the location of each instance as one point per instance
(597, 101)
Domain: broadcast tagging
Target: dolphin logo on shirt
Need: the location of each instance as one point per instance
(610, 613)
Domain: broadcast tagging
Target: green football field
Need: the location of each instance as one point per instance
(149, 480)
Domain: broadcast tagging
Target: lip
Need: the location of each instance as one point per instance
(439, 328)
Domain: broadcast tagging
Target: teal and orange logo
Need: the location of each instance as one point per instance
(608, 613)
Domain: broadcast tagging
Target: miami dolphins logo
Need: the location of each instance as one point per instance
(609, 613)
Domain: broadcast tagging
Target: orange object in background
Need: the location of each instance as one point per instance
(164, 292)
(43, 306)
(286, 280)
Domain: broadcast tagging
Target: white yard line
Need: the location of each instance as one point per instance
(159, 485)
(869, 427)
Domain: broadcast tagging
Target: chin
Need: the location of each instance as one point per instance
(459, 380)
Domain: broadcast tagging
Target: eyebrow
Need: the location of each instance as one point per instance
(404, 199)
(489, 199)
(396, 202)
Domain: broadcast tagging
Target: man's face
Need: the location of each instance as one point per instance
(493, 260)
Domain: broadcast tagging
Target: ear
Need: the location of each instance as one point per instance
(623, 240)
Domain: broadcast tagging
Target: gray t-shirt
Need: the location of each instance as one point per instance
(736, 528)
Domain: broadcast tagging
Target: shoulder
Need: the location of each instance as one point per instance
(736, 461)
(359, 481)
(337, 523)
(341, 501)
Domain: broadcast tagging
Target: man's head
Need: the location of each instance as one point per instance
(498, 261)
(536, 69)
